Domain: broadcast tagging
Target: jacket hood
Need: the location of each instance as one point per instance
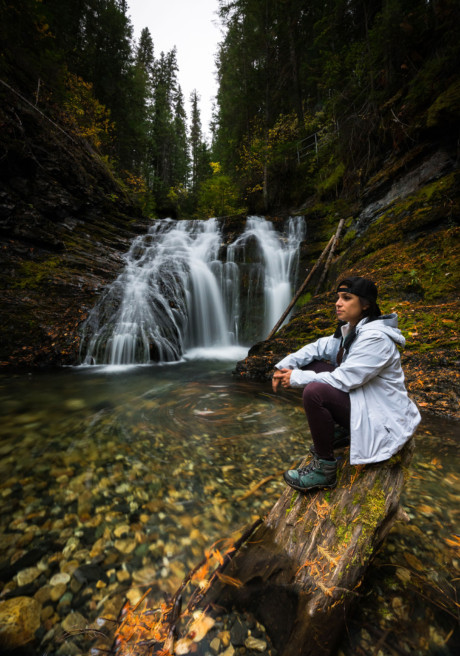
(386, 323)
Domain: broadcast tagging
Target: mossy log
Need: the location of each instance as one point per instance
(301, 568)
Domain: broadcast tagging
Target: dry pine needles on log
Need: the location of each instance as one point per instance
(299, 570)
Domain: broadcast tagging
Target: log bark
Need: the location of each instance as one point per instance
(335, 241)
(301, 568)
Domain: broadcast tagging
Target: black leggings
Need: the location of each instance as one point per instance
(325, 406)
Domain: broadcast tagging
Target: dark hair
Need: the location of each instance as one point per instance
(372, 312)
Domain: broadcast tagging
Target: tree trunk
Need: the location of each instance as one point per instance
(302, 566)
(297, 571)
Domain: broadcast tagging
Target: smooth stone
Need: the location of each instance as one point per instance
(57, 591)
(134, 596)
(238, 633)
(75, 585)
(65, 600)
(28, 575)
(123, 576)
(255, 643)
(142, 549)
(61, 577)
(125, 546)
(121, 530)
(229, 651)
(215, 644)
(69, 566)
(88, 573)
(225, 637)
(68, 649)
(19, 619)
(98, 547)
(73, 622)
(43, 594)
(47, 612)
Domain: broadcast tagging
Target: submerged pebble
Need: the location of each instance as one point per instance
(110, 505)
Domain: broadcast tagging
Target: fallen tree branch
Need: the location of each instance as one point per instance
(258, 485)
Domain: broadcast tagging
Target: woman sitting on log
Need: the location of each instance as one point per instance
(354, 379)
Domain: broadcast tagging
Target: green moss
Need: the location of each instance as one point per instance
(430, 206)
(294, 497)
(372, 509)
(303, 300)
(332, 180)
(33, 273)
(349, 238)
(446, 107)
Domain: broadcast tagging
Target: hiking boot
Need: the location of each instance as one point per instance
(318, 474)
(341, 438)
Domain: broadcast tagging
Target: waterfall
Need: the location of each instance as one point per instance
(182, 289)
(273, 260)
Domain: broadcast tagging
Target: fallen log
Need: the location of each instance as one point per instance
(298, 571)
(302, 567)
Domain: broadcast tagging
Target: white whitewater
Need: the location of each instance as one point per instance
(275, 268)
(182, 292)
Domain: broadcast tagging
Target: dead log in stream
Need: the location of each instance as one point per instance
(299, 570)
(302, 567)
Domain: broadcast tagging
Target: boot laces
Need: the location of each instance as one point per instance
(314, 464)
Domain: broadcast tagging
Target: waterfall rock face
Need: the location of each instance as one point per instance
(64, 220)
(181, 289)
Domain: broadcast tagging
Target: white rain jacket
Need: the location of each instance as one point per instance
(382, 416)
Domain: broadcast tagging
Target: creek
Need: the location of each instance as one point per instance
(120, 478)
(116, 477)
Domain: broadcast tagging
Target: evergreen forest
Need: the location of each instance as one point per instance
(311, 95)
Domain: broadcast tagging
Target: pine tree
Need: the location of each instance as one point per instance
(195, 141)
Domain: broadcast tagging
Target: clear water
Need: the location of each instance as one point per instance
(168, 452)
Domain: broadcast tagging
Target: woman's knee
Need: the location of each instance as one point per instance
(315, 392)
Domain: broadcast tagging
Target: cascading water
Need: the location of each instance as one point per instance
(273, 261)
(179, 291)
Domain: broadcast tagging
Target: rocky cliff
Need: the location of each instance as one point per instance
(64, 223)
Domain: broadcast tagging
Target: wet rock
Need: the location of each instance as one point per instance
(74, 621)
(57, 591)
(65, 602)
(28, 575)
(123, 576)
(215, 644)
(121, 531)
(89, 573)
(46, 613)
(68, 649)
(59, 579)
(254, 643)
(19, 619)
(43, 594)
(126, 546)
(238, 632)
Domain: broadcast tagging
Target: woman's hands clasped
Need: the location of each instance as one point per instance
(281, 377)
